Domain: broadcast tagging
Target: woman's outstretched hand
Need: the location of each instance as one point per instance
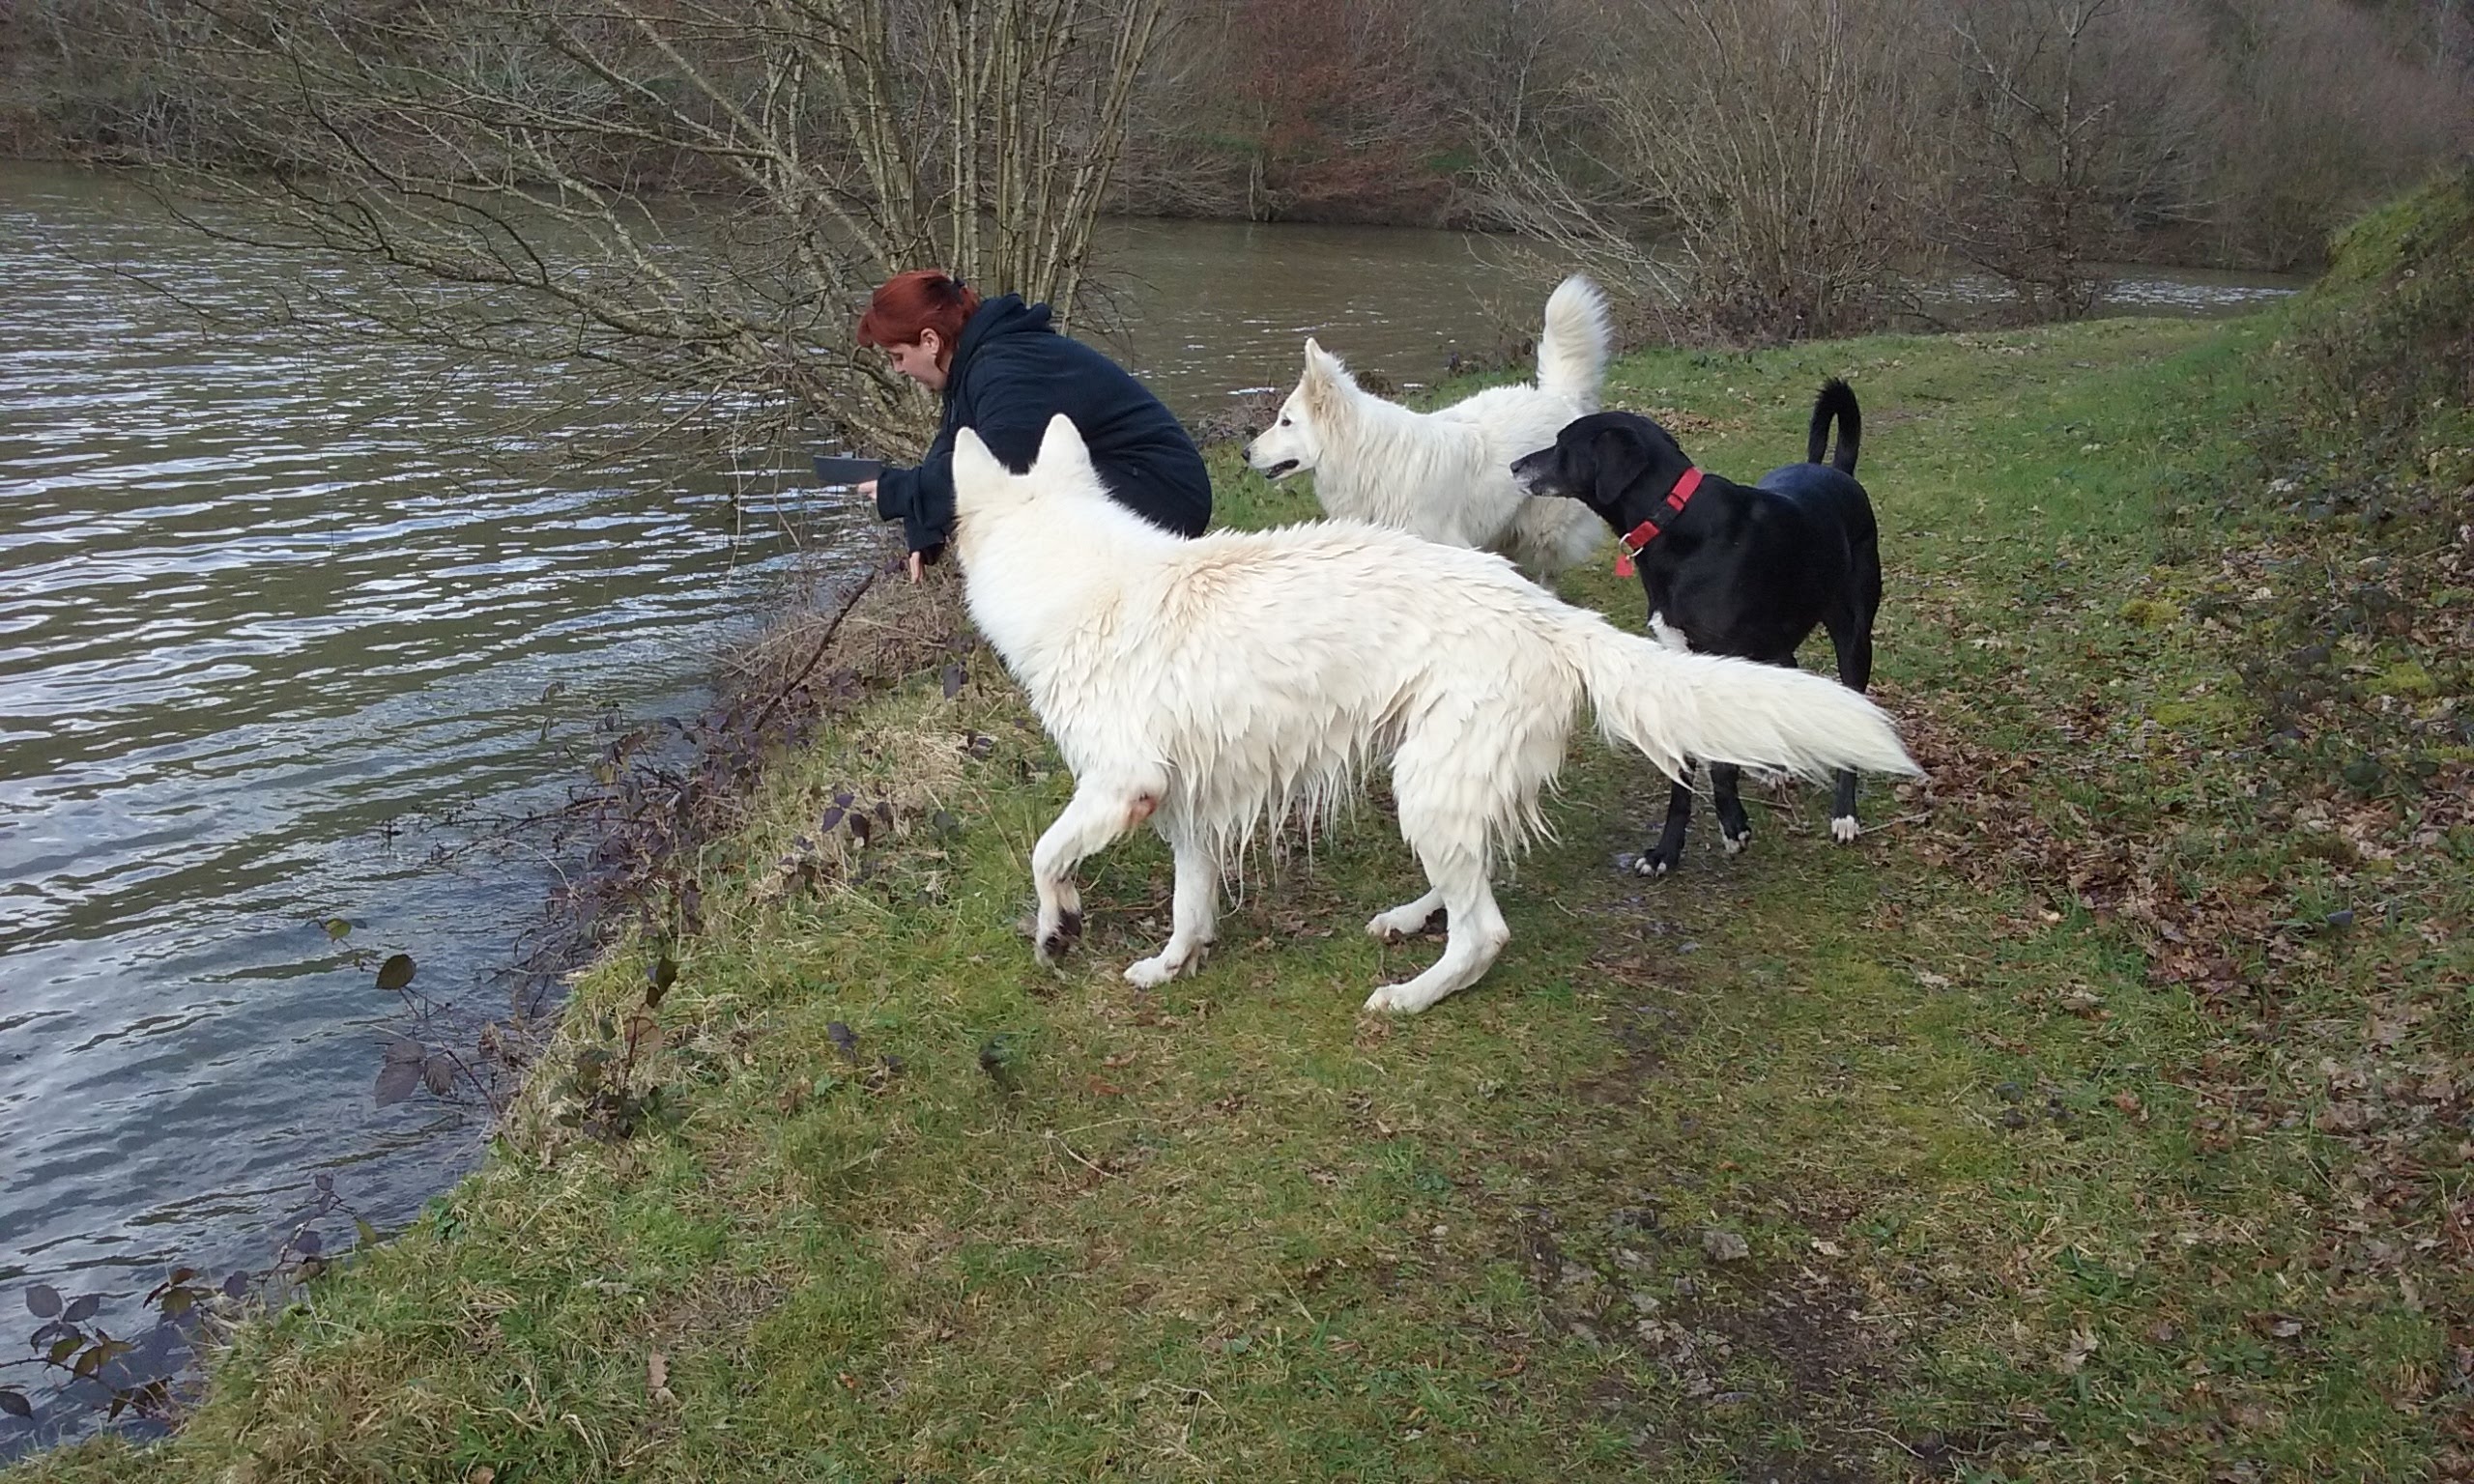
(917, 565)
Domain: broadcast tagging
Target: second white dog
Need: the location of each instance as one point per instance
(1447, 474)
(1209, 686)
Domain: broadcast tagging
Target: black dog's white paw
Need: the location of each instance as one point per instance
(1734, 843)
(1844, 829)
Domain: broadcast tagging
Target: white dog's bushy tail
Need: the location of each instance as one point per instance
(1572, 353)
(1676, 707)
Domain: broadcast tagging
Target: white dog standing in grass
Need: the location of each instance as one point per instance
(1447, 474)
(1208, 686)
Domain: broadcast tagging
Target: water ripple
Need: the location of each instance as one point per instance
(265, 622)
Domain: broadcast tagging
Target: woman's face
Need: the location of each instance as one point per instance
(920, 360)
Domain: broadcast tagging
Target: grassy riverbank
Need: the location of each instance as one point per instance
(2102, 1113)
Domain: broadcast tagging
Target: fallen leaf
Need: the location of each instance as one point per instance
(2341, 1118)
(2083, 1344)
(658, 1378)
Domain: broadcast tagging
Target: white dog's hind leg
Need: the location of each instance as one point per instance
(1096, 816)
(1477, 934)
(1407, 919)
(1455, 777)
(1450, 839)
(1196, 913)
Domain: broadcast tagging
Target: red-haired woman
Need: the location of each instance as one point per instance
(1004, 373)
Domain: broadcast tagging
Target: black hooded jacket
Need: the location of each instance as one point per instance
(1010, 374)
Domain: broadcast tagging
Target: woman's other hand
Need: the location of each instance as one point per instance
(917, 563)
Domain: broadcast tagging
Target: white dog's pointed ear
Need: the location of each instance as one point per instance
(974, 467)
(1324, 367)
(1061, 448)
(1324, 380)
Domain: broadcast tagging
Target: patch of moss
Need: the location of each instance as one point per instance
(2405, 677)
(2150, 612)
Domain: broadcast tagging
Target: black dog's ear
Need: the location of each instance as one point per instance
(1633, 449)
(1604, 464)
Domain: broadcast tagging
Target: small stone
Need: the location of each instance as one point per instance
(1724, 1246)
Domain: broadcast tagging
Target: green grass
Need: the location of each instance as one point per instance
(2045, 1133)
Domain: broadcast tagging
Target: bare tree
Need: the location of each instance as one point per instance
(1547, 165)
(1764, 149)
(687, 198)
(2080, 125)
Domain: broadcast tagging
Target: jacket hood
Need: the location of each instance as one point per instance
(1004, 315)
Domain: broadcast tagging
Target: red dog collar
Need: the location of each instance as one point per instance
(1630, 544)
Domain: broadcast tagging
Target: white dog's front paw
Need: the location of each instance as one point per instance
(1401, 999)
(1151, 973)
(1844, 829)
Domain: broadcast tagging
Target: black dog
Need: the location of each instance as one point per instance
(1730, 568)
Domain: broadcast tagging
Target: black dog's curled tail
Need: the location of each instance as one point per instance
(1836, 400)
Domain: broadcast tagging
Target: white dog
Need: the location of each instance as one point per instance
(1210, 685)
(1447, 475)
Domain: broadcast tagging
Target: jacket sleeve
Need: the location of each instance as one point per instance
(922, 499)
(1010, 414)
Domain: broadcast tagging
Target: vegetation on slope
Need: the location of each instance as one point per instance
(2102, 1113)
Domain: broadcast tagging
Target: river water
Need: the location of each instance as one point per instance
(281, 641)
